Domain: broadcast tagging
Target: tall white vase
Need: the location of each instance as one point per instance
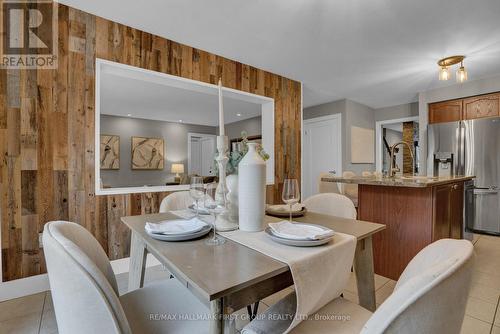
(252, 190)
(232, 187)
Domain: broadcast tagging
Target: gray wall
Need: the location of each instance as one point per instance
(176, 148)
(253, 127)
(353, 114)
(395, 112)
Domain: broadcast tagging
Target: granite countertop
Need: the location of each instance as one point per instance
(398, 181)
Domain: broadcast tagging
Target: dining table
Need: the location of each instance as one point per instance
(231, 276)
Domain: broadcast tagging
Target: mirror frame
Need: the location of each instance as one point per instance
(267, 127)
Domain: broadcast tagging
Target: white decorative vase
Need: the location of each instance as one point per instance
(252, 190)
(232, 187)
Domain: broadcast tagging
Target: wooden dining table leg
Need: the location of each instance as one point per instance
(216, 322)
(365, 278)
(137, 267)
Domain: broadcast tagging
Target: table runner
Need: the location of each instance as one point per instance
(320, 273)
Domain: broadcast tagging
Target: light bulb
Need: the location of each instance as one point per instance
(444, 73)
(461, 74)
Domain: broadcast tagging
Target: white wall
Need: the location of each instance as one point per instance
(470, 88)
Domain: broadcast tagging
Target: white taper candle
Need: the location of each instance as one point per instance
(221, 110)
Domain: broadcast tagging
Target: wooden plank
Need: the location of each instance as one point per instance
(30, 246)
(47, 130)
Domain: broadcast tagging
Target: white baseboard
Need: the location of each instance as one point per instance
(40, 283)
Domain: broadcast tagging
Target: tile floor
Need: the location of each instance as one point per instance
(35, 314)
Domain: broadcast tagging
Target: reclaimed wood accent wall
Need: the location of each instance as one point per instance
(47, 134)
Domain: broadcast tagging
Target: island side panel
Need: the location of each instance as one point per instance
(407, 214)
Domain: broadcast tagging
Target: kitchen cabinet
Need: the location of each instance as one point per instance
(482, 106)
(415, 216)
(446, 111)
(448, 211)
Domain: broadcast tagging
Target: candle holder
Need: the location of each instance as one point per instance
(223, 222)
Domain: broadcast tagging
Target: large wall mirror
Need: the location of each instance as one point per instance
(154, 130)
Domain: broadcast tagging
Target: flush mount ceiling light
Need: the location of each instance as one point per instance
(445, 63)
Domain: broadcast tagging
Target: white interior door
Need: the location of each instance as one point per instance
(322, 150)
(201, 151)
(207, 156)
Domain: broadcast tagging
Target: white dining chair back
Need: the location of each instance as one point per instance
(179, 200)
(331, 204)
(431, 293)
(348, 189)
(327, 187)
(83, 285)
(430, 297)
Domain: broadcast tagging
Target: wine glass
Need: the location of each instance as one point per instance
(214, 208)
(291, 193)
(196, 191)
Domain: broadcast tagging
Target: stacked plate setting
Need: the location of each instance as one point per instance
(177, 229)
(298, 234)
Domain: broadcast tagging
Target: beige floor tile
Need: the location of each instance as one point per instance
(495, 330)
(480, 309)
(474, 326)
(484, 293)
(489, 280)
(384, 292)
(49, 304)
(22, 306)
(48, 324)
(21, 325)
(475, 238)
(497, 316)
(351, 284)
(380, 281)
(351, 296)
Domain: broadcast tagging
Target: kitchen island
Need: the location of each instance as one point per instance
(416, 212)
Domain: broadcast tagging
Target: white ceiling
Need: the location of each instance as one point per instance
(376, 52)
(124, 95)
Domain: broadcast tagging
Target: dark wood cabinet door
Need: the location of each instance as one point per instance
(446, 111)
(442, 212)
(456, 210)
(482, 106)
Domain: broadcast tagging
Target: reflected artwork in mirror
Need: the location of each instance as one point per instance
(110, 152)
(165, 121)
(147, 153)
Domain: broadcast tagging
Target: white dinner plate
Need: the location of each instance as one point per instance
(297, 243)
(202, 210)
(181, 237)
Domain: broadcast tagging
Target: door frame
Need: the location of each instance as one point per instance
(378, 137)
(195, 134)
(331, 117)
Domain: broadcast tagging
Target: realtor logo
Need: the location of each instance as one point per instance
(29, 34)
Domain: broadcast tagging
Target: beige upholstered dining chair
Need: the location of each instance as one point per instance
(429, 297)
(327, 187)
(179, 200)
(85, 292)
(331, 204)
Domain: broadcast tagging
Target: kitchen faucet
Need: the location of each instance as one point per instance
(393, 168)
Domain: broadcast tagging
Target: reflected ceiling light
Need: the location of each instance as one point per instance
(129, 115)
(180, 121)
(238, 114)
(445, 63)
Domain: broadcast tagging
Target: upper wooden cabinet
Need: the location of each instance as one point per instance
(446, 111)
(468, 108)
(482, 106)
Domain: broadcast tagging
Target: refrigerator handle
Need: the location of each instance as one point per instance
(462, 148)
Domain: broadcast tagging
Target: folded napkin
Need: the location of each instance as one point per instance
(288, 230)
(285, 207)
(176, 226)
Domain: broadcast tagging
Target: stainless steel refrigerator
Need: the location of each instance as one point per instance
(470, 147)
